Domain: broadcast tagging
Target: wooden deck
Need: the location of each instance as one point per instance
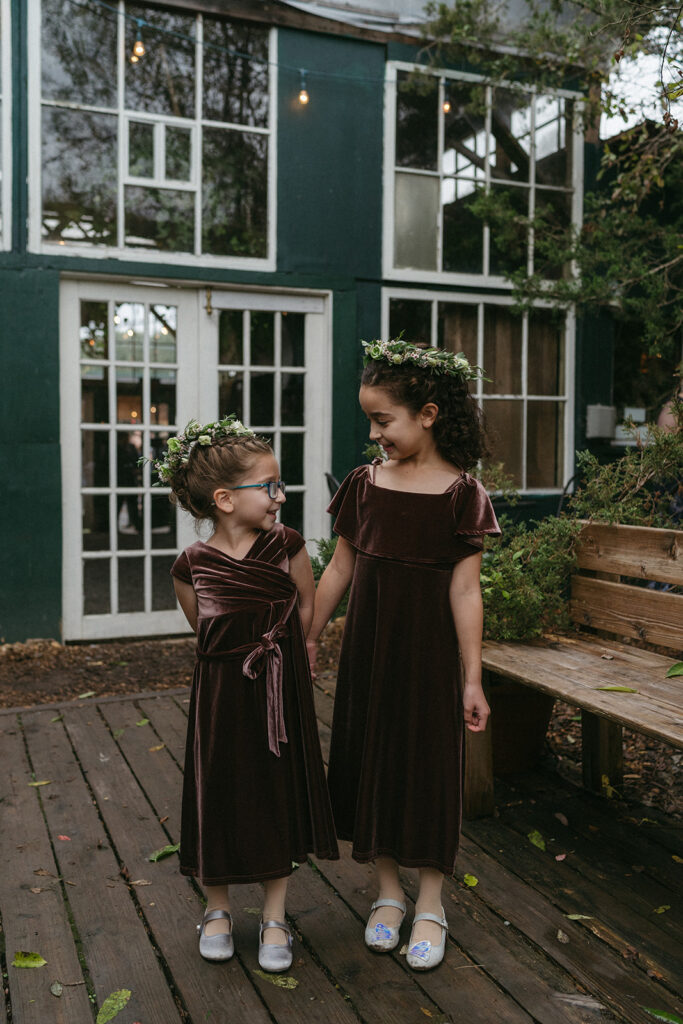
(77, 887)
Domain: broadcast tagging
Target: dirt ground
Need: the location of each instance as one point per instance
(45, 671)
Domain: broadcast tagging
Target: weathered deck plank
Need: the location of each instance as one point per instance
(35, 922)
(115, 944)
(112, 780)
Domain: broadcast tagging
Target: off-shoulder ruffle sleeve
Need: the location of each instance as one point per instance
(181, 568)
(473, 513)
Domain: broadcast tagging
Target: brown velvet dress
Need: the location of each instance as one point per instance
(254, 791)
(396, 756)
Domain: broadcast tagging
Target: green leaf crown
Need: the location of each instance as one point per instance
(179, 448)
(436, 360)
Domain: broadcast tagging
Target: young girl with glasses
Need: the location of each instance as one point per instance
(410, 530)
(254, 791)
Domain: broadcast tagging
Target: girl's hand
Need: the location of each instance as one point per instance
(476, 709)
(312, 650)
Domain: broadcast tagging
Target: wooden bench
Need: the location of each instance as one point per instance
(582, 669)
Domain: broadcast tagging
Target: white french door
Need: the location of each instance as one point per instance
(137, 363)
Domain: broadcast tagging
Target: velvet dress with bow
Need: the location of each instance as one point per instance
(396, 755)
(254, 792)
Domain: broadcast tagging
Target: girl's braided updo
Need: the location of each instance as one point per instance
(459, 430)
(221, 464)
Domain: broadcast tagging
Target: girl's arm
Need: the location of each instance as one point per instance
(187, 599)
(468, 616)
(332, 586)
(302, 574)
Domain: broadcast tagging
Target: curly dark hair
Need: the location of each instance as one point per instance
(459, 429)
(212, 466)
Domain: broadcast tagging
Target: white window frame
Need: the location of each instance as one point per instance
(481, 299)
(390, 272)
(6, 154)
(124, 115)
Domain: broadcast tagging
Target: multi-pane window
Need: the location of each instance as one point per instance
(169, 153)
(456, 138)
(525, 358)
(129, 370)
(262, 378)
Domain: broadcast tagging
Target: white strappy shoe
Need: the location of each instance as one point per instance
(272, 957)
(423, 955)
(382, 938)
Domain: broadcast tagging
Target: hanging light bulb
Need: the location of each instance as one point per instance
(139, 46)
(446, 105)
(303, 92)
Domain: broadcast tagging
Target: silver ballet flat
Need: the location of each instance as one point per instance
(422, 956)
(271, 957)
(382, 938)
(216, 947)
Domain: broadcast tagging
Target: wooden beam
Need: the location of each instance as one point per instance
(627, 611)
(602, 753)
(641, 552)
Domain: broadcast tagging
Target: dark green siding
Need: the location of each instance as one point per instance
(31, 518)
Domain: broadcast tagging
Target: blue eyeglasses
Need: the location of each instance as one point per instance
(274, 488)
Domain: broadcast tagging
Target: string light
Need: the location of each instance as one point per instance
(139, 47)
(303, 92)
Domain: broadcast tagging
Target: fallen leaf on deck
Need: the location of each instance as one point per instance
(251, 910)
(162, 820)
(56, 988)
(562, 936)
(630, 953)
(43, 782)
(657, 975)
(607, 657)
(586, 1002)
(537, 839)
(579, 917)
(140, 881)
(57, 718)
(153, 750)
(663, 909)
(165, 851)
(24, 959)
(112, 1005)
(118, 733)
(562, 818)
(143, 721)
(44, 871)
(560, 856)
(277, 980)
(427, 1013)
(88, 693)
(617, 689)
(65, 839)
(470, 880)
(679, 860)
(675, 670)
(671, 1018)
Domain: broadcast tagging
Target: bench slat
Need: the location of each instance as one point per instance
(641, 552)
(569, 674)
(650, 615)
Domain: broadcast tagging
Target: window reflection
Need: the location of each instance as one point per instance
(162, 82)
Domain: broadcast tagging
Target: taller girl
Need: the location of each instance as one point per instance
(410, 538)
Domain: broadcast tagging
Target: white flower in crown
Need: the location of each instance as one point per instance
(436, 360)
(179, 448)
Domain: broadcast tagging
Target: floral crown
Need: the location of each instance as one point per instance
(179, 448)
(436, 360)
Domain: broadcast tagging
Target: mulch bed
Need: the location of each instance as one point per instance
(45, 671)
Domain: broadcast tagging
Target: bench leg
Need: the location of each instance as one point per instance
(478, 801)
(603, 763)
